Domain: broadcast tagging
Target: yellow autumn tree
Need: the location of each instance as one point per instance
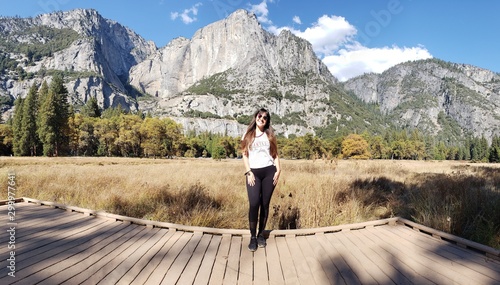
(129, 135)
(154, 137)
(356, 147)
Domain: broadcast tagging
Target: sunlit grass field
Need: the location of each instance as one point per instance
(461, 198)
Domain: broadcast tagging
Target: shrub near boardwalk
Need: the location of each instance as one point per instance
(455, 197)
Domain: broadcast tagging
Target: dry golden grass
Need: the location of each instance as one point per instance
(457, 197)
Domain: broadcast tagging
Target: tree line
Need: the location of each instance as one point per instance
(45, 124)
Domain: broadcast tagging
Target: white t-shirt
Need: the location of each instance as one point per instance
(259, 154)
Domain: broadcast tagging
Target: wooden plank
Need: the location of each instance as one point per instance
(115, 256)
(30, 237)
(182, 259)
(392, 258)
(62, 254)
(352, 258)
(260, 271)
(433, 249)
(233, 261)
(285, 258)
(318, 274)
(336, 256)
(324, 257)
(117, 266)
(161, 270)
(146, 263)
(34, 226)
(34, 221)
(30, 215)
(310, 231)
(171, 238)
(246, 273)
(220, 263)
(23, 207)
(475, 261)
(363, 259)
(90, 265)
(127, 262)
(205, 270)
(429, 250)
(411, 257)
(86, 212)
(32, 260)
(273, 262)
(189, 274)
(75, 260)
(464, 242)
(370, 251)
(178, 227)
(301, 266)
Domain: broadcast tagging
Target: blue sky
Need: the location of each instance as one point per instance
(350, 36)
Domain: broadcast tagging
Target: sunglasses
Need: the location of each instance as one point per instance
(260, 116)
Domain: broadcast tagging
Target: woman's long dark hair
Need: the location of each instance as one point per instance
(247, 140)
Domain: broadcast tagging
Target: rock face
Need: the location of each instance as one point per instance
(104, 49)
(237, 43)
(232, 67)
(247, 61)
(416, 93)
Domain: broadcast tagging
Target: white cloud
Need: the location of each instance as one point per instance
(188, 15)
(334, 40)
(261, 11)
(328, 34)
(348, 63)
(296, 20)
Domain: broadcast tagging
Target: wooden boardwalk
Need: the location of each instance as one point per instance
(56, 244)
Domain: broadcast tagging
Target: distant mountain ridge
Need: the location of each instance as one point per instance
(416, 94)
(229, 68)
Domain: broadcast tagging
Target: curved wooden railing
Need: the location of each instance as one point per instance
(483, 249)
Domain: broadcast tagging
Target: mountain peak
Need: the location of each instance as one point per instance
(242, 13)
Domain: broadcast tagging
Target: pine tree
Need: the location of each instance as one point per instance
(483, 142)
(42, 95)
(47, 124)
(29, 135)
(5, 139)
(494, 153)
(91, 108)
(53, 130)
(19, 147)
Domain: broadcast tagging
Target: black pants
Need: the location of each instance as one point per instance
(259, 197)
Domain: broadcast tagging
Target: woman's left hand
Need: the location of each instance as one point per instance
(276, 177)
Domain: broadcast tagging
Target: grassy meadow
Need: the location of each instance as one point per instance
(460, 198)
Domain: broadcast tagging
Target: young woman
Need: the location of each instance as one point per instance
(262, 170)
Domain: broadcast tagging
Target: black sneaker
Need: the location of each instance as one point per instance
(252, 246)
(261, 241)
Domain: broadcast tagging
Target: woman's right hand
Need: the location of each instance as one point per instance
(251, 179)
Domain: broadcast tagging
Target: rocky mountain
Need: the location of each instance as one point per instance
(228, 69)
(231, 67)
(96, 60)
(433, 95)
